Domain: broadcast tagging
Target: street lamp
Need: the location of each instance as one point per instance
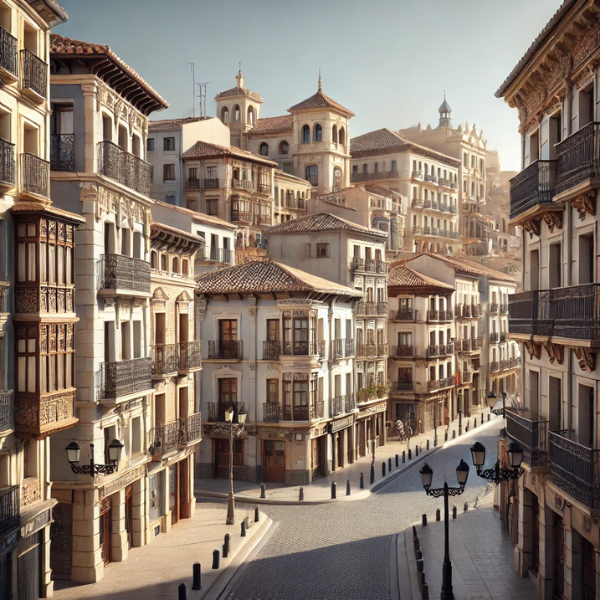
(462, 474)
(498, 407)
(497, 473)
(237, 431)
(115, 448)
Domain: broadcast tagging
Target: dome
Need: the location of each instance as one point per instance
(445, 107)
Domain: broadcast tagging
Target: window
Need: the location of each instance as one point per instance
(250, 115)
(284, 147)
(317, 133)
(264, 149)
(170, 197)
(394, 166)
(169, 144)
(354, 169)
(365, 168)
(334, 134)
(323, 250)
(225, 115)
(342, 136)
(168, 172)
(312, 174)
(273, 390)
(212, 207)
(305, 134)
(236, 113)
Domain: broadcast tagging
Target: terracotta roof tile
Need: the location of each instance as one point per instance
(320, 100)
(400, 275)
(184, 234)
(266, 276)
(49, 209)
(272, 126)
(173, 124)
(323, 222)
(237, 91)
(205, 149)
(199, 217)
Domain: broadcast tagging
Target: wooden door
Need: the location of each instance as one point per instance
(316, 458)
(174, 494)
(129, 514)
(274, 461)
(589, 571)
(105, 530)
(558, 573)
(184, 505)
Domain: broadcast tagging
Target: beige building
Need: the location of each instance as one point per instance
(291, 196)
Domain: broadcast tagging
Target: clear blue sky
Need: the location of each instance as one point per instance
(388, 61)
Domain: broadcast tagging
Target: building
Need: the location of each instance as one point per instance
(278, 345)
(37, 314)
(291, 196)
(100, 112)
(552, 510)
(352, 256)
(426, 177)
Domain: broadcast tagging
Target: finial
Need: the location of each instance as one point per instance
(240, 64)
(319, 78)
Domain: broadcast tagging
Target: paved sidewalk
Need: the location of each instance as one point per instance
(156, 570)
(320, 490)
(481, 556)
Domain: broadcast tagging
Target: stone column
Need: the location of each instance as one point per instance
(87, 566)
(140, 514)
(119, 543)
(90, 90)
(545, 568)
(191, 498)
(47, 585)
(522, 553)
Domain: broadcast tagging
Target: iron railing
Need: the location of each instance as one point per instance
(190, 355)
(240, 216)
(62, 152)
(126, 168)
(190, 429)
(120, 272)
(7, 410)
(383, 350)
(433, 315)
(225, 349)
(298, 413)
(214, 254)
(35, 175)
(575, 469)
(35, 73)
(349, 347)
(371, 308)
(271, 412)
(241, 184)
(494, 307)
(337, 349)
(165, 438)
(165, 359)
(578, 157)
(531, 433)
(300, 348)
(9, 510)
(7, 162)
(216, 411)
(366, 350)
(532, 186)
(403, 386)
(8, 52)
(350, 403)
(404, 315)
(494, 337)
(494, 366)
(338, 405)
(403, 352)
(271, 350)
(125, 377)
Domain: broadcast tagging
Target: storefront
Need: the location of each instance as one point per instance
(342, 444)
(370, 428)
(318, 451)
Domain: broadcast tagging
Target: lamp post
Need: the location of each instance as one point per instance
(114, 456)
(462, 474)
(498, 473)
(238, 430)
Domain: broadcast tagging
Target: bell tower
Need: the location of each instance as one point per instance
(445, 114)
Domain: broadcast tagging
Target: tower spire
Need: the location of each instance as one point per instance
(320, 79)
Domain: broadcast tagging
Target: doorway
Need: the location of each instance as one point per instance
(274, 461)
(174, 494)
(28, 568)
(316, 458)
(222, 457)
(105, 530)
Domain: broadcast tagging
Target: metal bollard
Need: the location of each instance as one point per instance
(243, 532)
(301, 494)
(416, 544)
(453, 433)
(256, 514)
(454, 512)
(438, 515)
(403, 456)
(466, 507)
(226, 545)
(197, 579)
(217, 556)
(424, 520)
(372, 473)
(383, 469)
(419, 565)
(427, 444)
(409, 454)
(263, 490)
(414, 531)
(389, 465)
(416, 450)
(333, 490)
(182, 591)
(421, 579)
(425, 592)
(348, 487)
(397, 461)
(446, 436)
(362, 481)
(489, 415)
(418, 554)
(247, 520)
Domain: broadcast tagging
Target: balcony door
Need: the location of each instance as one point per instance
(228, 335)
(228, 388)
(273, 461)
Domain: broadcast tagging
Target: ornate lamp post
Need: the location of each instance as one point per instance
(462, 474)
(498, 409)
(115, 448)
(498, 473)
(234, 429)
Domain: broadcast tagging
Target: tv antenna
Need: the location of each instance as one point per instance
(192, 68)
(202, 97)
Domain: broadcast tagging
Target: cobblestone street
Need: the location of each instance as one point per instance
(342, 551)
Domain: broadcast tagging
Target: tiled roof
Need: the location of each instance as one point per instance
(205, 149)
(199, 217)
(323, 222)
(66, 46)
(173, 124)
(264, 277)
(279, 174)
(272, 126)
(237, 91)
(184, 234)
(49, 209)
(320, 100)
(401, 275)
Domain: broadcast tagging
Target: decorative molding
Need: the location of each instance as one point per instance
(585, 203)
(556, 352)
(559, 502)
(586, 358)
(587, 523)
(553, 219)
(533, 349)
(532, 226)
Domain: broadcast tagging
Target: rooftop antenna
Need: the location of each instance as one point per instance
(202, 97)
(192, 68)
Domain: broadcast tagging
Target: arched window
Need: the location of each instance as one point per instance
(236, 113)
(264, 149)
(250, 115)
(334, 135)
(163, 262)
(251, 241)
(185, 267)
(337, 179)
(312, 175)
(284, 147)
(153, 259)
(225, 115)
(317, 133)
(175, 265)
(240, 240)
(365, 168)
(305, 134)
(342, 136)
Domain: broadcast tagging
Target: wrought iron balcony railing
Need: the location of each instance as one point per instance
(241, 216)
(190, 429)
(433, 315)
(349, 347)
(164, 438)
(359, 177)
(337, 349)
(404, 315)
(8, 52)
(241, 184)
(213, 254)
(190, 355)
(271, 350)
(7, 163)
(403, 352)
(366, 350)
(403, 386)
(531, 432)
(165, 359)
(34, 73)
(271, 412)
(338, 405)
(120, 272)
(225, 349)
(372, 309)
(263, 188)
(125, 377)
(383, 350)
(494, 337)
(62, 152)
(35, 175)
(532, 187)
(300, 348)
(10, 519)
(7, 411)
(350, 403)
(126, 168)
(494, 366)
(494, 307)
(216, 411)
(578, 157)
(303, 412)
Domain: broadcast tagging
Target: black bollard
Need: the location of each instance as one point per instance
(389, 465)
(226, 545)
(348, 487)
(372, 473)
(397, 461)
(489, 415)
(403, 456)
(301, 494)
(197, 579)
(383, 469)
(333, 490)
(438, 515)
(362, 481)
(263, 490)
(453, 433)
(419, 565)
(216, 559)
(454, 512)
(416, 450)
(425, 592)
(182, 591)
(247, 519)
(414, 531)
(409, 454)
(427, 444)
(418, 554)
(466, 507)
(243, 532)
(446, 436)
(256, 514)
(424, 520)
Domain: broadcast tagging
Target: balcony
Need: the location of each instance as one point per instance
(369, 265)
(210, 184)
(62, 152)
(337, 349)
(494, 337)
(165, 439)
(190, 429)
(192, 184)
(165, 359)
(321, 349)
(7, 407)
(417, 203)
(362, 177)
(504, 309)
(383, 350)
(578, 158)
(35, 175)
(304, 412)
(403, 352)
(375, 309)
(440, 384)
(431, 178)
(125, 377)
(190, 355)
(494, 307)
(271, 350)
(399, 387)
(433, 315)
(242, 184)
(575, 469)
(440, 350)
(502, 337)
(444, 182)
(513, 363)
(263, 188)
(271, 412)
(469, 345)
(124, 275)
(7, 164)
(349, 347)
(404, 315)
(446, 315)
(338, 406)
(366, 351)
(300, 349)
(8, 54)
(241, 216)
(126, 168)
(417, 175)
(10, 519)
(34, 76)
(225, 350)
(494, 367)
(216, 411)
(213, 254)
(533, 187)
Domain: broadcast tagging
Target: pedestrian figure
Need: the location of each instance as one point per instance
(400, 430)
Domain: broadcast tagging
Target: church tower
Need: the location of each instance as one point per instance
(445, 114)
